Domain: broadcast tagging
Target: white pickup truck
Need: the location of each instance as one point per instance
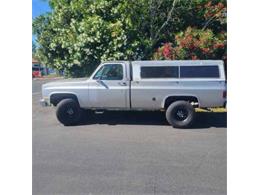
(176, 87)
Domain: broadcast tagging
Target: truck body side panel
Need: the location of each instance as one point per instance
(152, 94)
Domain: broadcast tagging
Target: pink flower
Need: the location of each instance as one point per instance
(167, 50)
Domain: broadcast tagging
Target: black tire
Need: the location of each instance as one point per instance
(68, 112)
(180, 114)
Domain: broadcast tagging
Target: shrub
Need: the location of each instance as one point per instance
(194, 44)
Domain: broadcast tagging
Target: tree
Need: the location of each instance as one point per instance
(77, 34)
(34, 48)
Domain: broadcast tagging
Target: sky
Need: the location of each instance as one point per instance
(39, 7)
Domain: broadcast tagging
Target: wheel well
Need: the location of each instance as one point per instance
(56, 98)
(172, 99)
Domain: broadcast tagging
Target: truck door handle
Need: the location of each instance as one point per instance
(122, 83)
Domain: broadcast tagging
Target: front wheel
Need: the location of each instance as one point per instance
(68, 112)
(180, 114)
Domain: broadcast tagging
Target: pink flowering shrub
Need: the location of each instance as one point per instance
(194, 44)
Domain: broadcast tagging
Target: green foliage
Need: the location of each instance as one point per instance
(78, 34)
(34, 48)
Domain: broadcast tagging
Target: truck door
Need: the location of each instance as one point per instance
(109, 87)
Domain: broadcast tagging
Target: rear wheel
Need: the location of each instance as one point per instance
(180, 114)
(68, 112)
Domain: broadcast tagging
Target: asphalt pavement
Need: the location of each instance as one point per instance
(127, 153)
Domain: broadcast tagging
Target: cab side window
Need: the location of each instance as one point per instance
(110, 72)
(98, 74)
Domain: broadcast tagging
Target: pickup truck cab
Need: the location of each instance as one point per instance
(176, 87)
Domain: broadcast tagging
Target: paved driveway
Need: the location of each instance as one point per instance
(127, 153)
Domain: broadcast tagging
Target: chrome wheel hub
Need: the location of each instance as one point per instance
(70, 111)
